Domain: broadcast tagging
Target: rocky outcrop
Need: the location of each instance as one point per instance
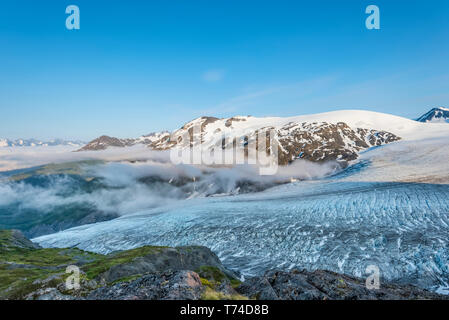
(162, 259)
(50, 294)
(28, 271)
(325, 285)
(15, 239)
(160, 273)
(169, 285)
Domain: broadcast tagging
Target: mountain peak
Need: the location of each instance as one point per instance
(104, 142)
(436, 115)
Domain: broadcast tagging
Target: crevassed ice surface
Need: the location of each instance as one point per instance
(391, 209)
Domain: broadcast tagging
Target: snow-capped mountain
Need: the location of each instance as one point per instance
(37, 143)
(310, 140)
(338, 135)
(316, 137)
(105, 142)
(436, 115)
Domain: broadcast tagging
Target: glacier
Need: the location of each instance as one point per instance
(389, 209)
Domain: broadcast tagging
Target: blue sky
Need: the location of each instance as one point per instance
(140, 66)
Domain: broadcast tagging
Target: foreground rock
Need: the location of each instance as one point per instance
(161, 273)
(169, 285)
(325, 285)
(150, 272)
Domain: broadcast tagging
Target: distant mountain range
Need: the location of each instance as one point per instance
(339, 135)
(36, 143)
(436, 115)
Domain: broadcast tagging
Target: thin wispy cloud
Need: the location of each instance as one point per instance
(214, 75)
(269, 93)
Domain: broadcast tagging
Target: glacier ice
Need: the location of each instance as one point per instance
(401, 227)
(390, 210)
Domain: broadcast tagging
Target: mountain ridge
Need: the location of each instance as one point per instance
(362, 119)
(316, 138)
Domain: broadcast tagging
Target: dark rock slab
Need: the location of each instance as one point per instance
(170, 285)
(325, 285)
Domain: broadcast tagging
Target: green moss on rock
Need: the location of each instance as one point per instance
(104, 262)
(28, 271)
